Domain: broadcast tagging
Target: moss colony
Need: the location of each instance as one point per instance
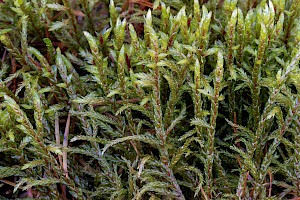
(138, 100)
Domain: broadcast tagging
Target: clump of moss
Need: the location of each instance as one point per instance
(140, 100)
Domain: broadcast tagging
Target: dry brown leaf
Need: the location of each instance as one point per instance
(78, 13)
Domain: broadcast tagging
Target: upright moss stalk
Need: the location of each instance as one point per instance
(98, 60)
(202, 38)
(197, 95)
(256, 73)
(230, 41)
(158, 115)
(213, 121)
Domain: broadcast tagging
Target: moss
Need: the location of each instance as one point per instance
(140, 100)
